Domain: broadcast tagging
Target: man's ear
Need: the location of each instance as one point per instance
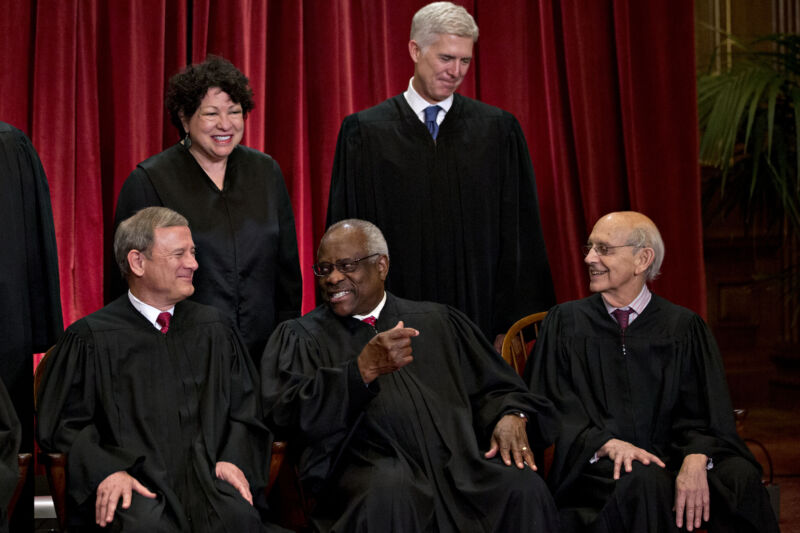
(644, 259)
(383, 266)
(414, 50)
(136, 263)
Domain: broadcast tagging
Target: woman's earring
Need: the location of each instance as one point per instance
(187, 141)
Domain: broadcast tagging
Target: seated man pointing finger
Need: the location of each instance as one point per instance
(405, 417)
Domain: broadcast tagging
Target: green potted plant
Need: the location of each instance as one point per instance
(748, 116)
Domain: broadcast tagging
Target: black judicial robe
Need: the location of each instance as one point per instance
(30, 305)
(10, 437)
(666, 394)
(245, 234)
(120, 395)
(431, 421)
(460, 213)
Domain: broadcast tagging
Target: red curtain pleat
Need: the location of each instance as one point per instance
(604, 91)
(65, 131)
(655, 43)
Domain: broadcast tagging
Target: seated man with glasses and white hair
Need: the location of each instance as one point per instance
(648, 440)
(404, 416)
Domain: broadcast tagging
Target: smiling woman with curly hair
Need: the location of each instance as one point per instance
(234, 197)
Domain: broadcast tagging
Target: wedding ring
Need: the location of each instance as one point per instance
(524, 448)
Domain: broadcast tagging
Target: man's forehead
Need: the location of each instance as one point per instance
(342, 244)
(169, 235)
(609, 229)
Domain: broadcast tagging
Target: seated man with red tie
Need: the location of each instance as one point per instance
(647, 441)
(404, 417)
(155, 399)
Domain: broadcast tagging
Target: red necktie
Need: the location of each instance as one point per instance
(622, 317)
(369, 320)
(163, 321)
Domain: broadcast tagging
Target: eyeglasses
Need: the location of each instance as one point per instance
(602, 249)
(322, 270)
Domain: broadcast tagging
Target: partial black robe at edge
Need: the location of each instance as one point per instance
(10, 437)
(435, 414)
(244, 234)
(460, 214)
(30, 304)
(120, 395)
(668, 395)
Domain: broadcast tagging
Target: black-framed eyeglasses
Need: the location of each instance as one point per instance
(322, 270)
(601, 249)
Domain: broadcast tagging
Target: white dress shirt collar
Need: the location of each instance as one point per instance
(637, 305)
(418, 103)
(148, 311)
(375, 312)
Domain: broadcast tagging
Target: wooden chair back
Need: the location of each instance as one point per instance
(517, 343)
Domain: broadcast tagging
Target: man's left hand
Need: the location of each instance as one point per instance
(232, 474)
(510, 438)
(691, 492)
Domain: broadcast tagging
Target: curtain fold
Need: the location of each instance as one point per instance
(604, 91)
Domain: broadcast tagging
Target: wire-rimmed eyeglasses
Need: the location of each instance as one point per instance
(322, 270)
(601, 249)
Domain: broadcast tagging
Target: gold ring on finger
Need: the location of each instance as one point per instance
(524, 448)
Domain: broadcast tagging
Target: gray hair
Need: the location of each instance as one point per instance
(648, 236)
(138, 231)
(376, 242)
(442, 18)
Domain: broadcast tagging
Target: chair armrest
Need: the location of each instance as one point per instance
(275, 463)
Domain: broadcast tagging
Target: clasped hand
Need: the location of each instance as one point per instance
(511, 439)
(386, 352)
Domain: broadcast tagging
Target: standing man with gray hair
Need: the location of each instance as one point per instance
(449, 181)
(647, 441)
(154, 399)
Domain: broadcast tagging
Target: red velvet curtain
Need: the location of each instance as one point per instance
(604, 91)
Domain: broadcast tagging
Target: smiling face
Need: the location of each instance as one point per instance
(441, 67)
(620, 275)
(216, 127)
(357, 292)
(162, 277)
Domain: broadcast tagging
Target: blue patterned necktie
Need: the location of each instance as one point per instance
(431, 112)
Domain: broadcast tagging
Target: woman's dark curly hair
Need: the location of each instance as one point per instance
(188, 87)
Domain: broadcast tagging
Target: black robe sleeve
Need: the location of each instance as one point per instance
(67, 414)
(581, 432)
(310, 400)
(704, 421)
(523, 284)
(495, 389)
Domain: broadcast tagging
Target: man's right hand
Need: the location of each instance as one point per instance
(625, 453)
(386, 352)
(119, 484)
